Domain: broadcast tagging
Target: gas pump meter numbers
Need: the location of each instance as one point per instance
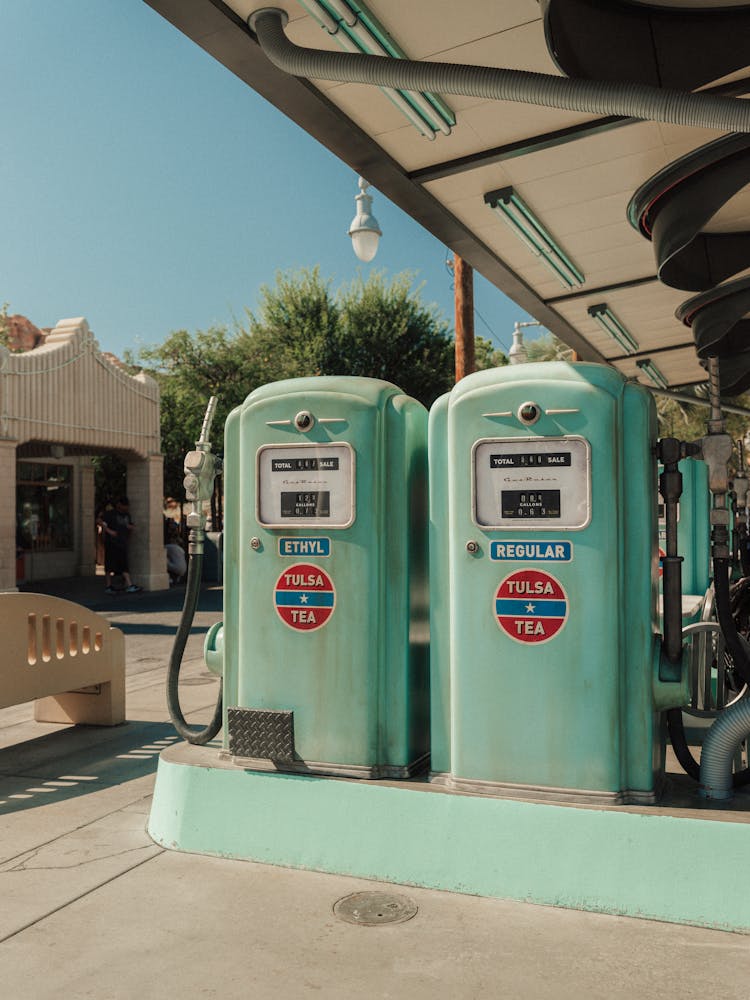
(305, 485)
(532, 484)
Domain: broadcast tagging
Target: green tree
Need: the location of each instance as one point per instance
(370, 327)
(486, 355)
(4, 330)
(548, 347)
(190, 368)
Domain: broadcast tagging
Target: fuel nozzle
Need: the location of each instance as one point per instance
(201, 468)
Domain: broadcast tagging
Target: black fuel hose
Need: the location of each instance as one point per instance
(192, 592)
(675, 725)
(726, 621)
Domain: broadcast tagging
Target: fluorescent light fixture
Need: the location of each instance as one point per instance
(607, 320)
(652, 372)
(356, 29)
(516, 213)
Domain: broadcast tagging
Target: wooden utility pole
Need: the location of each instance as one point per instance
(463, 284)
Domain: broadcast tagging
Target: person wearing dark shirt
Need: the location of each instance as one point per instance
(116, 527)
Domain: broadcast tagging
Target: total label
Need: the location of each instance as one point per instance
(531, 606)
(304, 597)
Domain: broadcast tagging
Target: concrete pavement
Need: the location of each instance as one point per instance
(92, 908)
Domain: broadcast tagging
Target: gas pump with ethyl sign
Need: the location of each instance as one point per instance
(546, 663)
(323, 647)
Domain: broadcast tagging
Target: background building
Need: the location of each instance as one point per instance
(61, 402)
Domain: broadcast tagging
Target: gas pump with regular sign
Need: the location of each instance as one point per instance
(547, 674)
(324, 640)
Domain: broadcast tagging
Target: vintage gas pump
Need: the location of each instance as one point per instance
(324, 647)
(548, 675)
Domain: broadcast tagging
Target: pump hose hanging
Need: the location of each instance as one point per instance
(688, 763)
(192, 592)
(726, 620)
(675, 725)
(200, 470)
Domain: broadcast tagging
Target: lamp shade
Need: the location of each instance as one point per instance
(364, 229)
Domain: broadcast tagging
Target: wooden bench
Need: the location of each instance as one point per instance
(67, 659)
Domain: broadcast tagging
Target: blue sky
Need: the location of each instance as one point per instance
(145, 187)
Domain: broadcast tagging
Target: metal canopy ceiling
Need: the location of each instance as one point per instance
(576, 172)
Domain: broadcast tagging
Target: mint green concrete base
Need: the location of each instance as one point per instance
(664, 867)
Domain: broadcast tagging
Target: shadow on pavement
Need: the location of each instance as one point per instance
(73, 762)
(89, 591)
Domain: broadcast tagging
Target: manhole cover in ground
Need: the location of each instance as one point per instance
(372, 908)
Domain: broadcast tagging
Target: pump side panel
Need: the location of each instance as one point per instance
(440, 591)
(638, 625)
(404, 688)
(232, 476)
(694, 533)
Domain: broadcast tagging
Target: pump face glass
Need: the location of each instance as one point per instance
(305, 486)
(532, 483)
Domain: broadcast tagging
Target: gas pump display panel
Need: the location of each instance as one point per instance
(532, 483)
(305, 486)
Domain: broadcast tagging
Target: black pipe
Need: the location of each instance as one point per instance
(192, 592)
(669, 451)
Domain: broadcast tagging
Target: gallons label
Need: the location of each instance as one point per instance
(531, 606)
(531, 551)
(304, 597)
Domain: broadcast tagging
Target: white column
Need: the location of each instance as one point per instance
(7, 516)
(85, 527)
(148, 561)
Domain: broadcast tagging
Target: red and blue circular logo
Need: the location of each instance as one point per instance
(304, 597)
(531, 606)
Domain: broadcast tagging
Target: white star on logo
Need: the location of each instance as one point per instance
(303, 598)
(530, 608)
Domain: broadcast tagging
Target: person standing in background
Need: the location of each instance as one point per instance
(116, 527)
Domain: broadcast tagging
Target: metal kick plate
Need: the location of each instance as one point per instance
(261, 733)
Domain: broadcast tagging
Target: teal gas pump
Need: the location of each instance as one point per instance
(323, 649)
(548, 672)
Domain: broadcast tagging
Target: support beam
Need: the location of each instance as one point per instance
(463, 279)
